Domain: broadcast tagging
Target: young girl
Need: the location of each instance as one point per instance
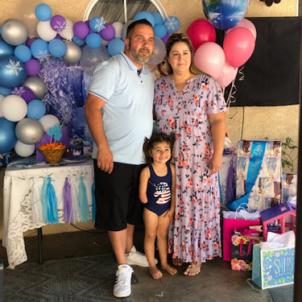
(156, 192)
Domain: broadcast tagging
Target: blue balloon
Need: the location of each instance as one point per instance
(96, 24)
(23, 53)
(39, 48)
(57, 48)
(5, 49)
(172, 24)
(225, 14)
(36, 109)
(43, 12)
(160, 30)
(93, 40)
(145, 15)
(115, 46)
(78, 41)
(12, 72)
(5, 91)
(158, 19)
(7, 135)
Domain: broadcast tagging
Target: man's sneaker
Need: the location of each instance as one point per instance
(137, 258)
(122, 285)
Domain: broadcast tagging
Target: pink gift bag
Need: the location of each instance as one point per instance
(229, 226)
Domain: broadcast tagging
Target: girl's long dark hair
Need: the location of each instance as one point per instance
(155, 139)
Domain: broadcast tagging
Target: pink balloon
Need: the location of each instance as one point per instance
(210, 59)
(201, 31)
(227, 75)
(238, 46)
(249, 25)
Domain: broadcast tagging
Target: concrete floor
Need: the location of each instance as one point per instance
(216, 282)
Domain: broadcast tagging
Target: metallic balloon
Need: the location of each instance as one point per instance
(14, 32)
(73, 53)
(24, 150)
(12, 72)
(29, 131)
(5, 49)
(37, 86)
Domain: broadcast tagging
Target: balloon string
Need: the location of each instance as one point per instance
(125, 10)
(231, 97)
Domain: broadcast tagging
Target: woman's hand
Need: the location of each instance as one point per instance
(215, 164)
(169, 214)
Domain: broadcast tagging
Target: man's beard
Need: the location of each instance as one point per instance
(142, 59)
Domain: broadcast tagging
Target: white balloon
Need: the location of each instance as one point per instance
(45, 31)
(1, 98)
(24, 150)
(118, 26)
(47, 121)
(67, 32)
(14, 108)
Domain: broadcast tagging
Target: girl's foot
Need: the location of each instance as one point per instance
(193, 269)
(155, 273)
(169, 269)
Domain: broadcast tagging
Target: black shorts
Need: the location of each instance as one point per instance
(116, 196)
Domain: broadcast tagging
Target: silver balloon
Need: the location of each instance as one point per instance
(73, 53)
(14, 32)
(29, 131)
(37, 86)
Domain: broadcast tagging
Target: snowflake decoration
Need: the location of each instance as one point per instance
(172, 24)
(59, 26)
(14, 66)
(99, 24)
(18, 90)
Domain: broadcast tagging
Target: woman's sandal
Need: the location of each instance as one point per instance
(193, 270)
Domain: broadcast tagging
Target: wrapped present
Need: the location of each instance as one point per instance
(258, 174)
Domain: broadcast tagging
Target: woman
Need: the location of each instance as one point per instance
(192, 106)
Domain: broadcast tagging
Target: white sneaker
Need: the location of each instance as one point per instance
(137, 258)
(122, 285)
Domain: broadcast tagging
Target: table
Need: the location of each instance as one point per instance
(41, 194)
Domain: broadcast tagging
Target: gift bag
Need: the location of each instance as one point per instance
(229, 226)
(242, 248)
(273, 267)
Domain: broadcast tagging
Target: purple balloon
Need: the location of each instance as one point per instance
(32, 67)
(29, 41)
(25, 92)
(81, 29)
(58, 23)
(108, 33)
(165, 38)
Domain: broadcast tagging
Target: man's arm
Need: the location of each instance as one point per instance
(94, 118)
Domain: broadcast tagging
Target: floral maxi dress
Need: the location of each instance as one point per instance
(195, 233)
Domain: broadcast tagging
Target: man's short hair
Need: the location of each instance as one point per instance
(132, 25)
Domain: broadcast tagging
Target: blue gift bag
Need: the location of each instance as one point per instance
(273, 267)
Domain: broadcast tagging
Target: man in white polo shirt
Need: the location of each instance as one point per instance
(119, 114)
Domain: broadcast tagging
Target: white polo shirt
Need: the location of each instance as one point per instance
(127, 114)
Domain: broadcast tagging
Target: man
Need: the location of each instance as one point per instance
(119, 115)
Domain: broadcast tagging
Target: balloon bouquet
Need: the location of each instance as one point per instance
(239, 39)
(30, 88)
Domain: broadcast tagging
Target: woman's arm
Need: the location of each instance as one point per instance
(218, 130)
(171, 211)
(143, 184)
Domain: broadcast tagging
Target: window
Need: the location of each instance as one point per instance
(121, 10)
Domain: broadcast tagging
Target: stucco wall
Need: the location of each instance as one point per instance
(247, 123)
